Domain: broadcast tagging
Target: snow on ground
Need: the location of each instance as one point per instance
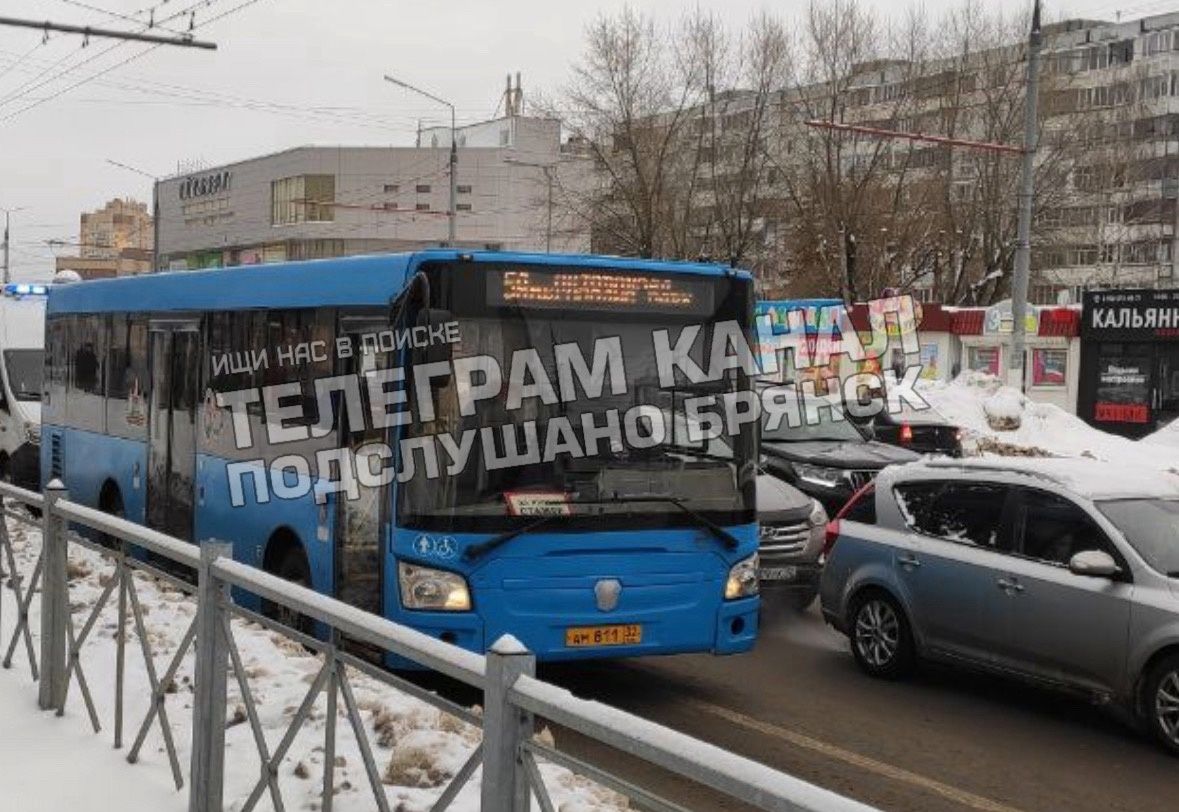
(1043, 428)
(1168, 435)
(56, 764)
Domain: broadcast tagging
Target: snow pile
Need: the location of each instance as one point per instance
(417, 748)
(1168, 435)
(972, 399)
(1004, 409)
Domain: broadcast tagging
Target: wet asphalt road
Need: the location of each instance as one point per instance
(944, 740)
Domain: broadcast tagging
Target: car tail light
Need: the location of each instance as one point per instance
(906, 433)
(829, 538)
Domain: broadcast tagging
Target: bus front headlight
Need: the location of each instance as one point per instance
(742, 581)
(427, 588)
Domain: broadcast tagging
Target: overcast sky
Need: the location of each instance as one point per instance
(287, 72)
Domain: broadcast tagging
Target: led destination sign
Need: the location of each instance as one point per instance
(600, 290)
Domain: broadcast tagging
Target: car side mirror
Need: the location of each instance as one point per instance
(1094, 564)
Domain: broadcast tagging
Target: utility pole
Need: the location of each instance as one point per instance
(548, 176)
(450, 214)
(7, 241)
(6, 219)
(1023, 250)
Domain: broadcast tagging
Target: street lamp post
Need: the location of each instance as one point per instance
(548, 176)
(155, 210)
(450, 214)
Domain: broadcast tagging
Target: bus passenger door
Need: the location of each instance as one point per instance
(362, 523)
(171, 453)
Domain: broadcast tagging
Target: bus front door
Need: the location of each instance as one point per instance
(171, 454)
(362, 523)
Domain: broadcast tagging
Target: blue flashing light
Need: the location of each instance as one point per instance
(20, 289)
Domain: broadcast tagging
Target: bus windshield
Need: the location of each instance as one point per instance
(709, 478)
(23, 368)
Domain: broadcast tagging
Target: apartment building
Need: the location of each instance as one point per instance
(943, 220)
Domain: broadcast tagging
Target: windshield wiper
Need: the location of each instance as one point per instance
(482, 548)
(729, 540)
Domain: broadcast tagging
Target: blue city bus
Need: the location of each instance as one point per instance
(622, 550)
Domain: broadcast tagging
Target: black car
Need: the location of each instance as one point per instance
(921, 430)
(829, 461)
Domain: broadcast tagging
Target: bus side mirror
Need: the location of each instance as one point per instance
(437, 341)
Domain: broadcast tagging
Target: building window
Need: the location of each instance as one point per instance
(463, 189)
(462, 206)
(392, 188)
(303, 199)
(423, 188)
(1049, 367)
(423, 207)
(983, 359)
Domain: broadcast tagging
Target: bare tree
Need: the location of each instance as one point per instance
(627, 103)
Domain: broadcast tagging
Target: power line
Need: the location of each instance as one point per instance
(29, 87)
(87, 31)
(20, 60)
(126, 61)
(114, 15)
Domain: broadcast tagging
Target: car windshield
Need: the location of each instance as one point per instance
(24, 373)
(1152, 528)
(714, 478)
(829, 427)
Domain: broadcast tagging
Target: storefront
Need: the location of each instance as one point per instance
(1130, 360)
(1052, 348)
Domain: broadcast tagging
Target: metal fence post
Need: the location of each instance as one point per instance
(55, 603)
(505, 728)
(207, 768)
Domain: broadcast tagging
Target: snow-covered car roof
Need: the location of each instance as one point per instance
(1091, 479)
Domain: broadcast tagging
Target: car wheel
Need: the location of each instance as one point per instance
(801, 601)
(1162, 702)
(291, 567)
(880, 637)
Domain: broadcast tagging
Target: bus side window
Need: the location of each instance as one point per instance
(127, 377)
(58, 352)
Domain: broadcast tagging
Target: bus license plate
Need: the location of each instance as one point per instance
(777, 573)
(630, 634)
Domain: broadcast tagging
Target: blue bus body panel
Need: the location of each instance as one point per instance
(90, 459)
(540, 584)
(250, 526)
(535, 587)
(371, 280)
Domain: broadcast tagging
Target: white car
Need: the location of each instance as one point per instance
(22, 359)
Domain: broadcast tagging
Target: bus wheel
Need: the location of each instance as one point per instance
(111, 503)
(291, 566)
(5, 469)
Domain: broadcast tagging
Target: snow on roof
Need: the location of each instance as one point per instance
(1093, 479)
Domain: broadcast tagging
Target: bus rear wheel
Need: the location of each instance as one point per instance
(111, 503)
(291, 566)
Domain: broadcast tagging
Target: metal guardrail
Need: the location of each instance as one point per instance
(512, 695)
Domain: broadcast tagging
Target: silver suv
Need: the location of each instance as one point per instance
(1065, 572)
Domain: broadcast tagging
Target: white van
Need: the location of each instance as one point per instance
(22, 359)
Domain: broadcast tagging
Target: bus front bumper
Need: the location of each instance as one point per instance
(729, 627)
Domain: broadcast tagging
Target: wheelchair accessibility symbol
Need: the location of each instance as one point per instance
(444, 548)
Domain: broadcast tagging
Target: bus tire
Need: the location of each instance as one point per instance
(5, 469)
(110, 501)
(289, 562)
